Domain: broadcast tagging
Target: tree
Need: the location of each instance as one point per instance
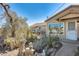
(21, 33)
(8, 16)
(15, 26)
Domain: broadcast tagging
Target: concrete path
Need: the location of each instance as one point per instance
(68, 49)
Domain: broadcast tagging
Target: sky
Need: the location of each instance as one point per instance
(36, 12)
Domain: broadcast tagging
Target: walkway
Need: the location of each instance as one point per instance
(10, 53)
(68, 49)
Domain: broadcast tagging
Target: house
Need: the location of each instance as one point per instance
(39, 28)
(69, 18)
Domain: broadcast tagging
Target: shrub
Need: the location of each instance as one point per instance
(52, 41)
(39, 44)
(54, 44)
(17, 42)
(12, 43)
(31, 37)
(47, 43)
(9, 42)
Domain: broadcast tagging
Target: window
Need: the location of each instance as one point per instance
(56, 28)
(71, 26)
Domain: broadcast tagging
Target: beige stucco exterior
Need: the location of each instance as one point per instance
(70, 14)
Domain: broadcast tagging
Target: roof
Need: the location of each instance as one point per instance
(70, 16)
(62, 11)
(37, 25)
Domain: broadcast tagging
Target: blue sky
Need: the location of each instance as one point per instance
(36, 12)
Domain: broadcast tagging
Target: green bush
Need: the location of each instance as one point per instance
(46, 42)
(12, 43)
(52, 41)
(9, 42)
(39, 44)
(31, 38)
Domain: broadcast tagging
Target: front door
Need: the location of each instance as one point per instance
(71, 32)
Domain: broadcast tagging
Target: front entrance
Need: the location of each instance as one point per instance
(71, 32)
